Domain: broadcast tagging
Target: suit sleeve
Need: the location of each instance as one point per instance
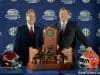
(41, 38)
(17, 42)
(81, 36)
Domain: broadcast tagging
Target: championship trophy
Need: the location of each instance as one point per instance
(49, 57)
(50, 45)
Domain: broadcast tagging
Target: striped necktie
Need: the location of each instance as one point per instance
(63, 27)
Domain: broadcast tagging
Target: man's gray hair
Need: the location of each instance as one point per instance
(29, 11)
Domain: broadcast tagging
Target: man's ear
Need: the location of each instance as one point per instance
(26, 17)
(35, 20)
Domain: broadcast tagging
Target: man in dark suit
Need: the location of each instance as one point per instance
(29, 36)
(67, 31)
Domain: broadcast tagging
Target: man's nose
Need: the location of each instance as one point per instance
(31, 17)
(63, 16)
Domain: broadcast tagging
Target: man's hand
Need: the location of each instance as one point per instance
(89, 48)
(32, 53)
(68, 53)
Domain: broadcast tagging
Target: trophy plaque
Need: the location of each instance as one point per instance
(49, 57)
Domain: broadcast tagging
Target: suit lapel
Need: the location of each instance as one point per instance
(67, 26)
(27, 31)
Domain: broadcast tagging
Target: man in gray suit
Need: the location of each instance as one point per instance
(67, 31)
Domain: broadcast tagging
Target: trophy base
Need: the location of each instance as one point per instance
(32, 66)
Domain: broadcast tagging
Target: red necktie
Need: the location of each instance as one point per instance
(31, 33)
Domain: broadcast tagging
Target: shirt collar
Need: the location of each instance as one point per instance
(63, 23)
(28, 25)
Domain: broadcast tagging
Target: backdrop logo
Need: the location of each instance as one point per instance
(0, 33)
(99, 15)
(10, 46)
(49, 15)
(86, 1)
(32, 1)
(85, 15)
(50, 1)
(81, 49)
(86, 32)
(13, 0)
(12, 14)
(98, 1)
(68, 1)
(98, 33)
(12, 31)
(70, 15)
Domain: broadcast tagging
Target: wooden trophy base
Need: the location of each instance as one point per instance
(32, 66)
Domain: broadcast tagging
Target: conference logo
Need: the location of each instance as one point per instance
(49, 15)
(81, 49)
(50, 1)
(98, 1)
(98, 33)
(13, 0)
(9, 46)
(0, 33)
(85, 15)
(32, 1)
(86, 32)
(86, 1)
(70, 15)
(99, 15)
(12, 14)
(68, 1)
(12, 31)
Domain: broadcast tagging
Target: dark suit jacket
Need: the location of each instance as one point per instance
(68, 37)
(23, 41)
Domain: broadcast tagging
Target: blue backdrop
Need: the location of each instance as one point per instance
(85, 12)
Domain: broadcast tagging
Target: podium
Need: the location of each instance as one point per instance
(49, 57)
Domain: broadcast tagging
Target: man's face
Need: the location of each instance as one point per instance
(31, 17)
(63, 15)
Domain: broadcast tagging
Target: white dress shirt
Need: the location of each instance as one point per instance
(29, 26)
(63, 25)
